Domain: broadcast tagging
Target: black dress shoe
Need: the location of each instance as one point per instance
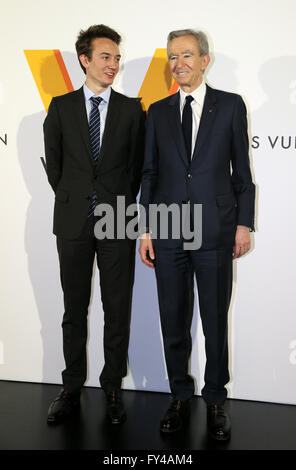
(64, 404)
(115, 408)
(219, 425)
(174, 417)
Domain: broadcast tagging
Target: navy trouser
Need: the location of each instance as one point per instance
(175, 269)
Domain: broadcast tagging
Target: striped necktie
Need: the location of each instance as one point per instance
(94, 132)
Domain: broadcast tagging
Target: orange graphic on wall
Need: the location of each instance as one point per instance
(52, 79)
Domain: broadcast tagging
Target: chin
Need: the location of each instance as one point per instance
(183, 83)
(109, 82)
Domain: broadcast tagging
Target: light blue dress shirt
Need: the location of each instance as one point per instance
(103, 106)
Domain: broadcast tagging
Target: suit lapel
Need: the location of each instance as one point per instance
(174, 119)
(206, 120)
(113, 115)
(81, 118)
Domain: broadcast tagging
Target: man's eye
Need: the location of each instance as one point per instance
(173, 58)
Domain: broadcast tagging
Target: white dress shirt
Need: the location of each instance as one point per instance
(103, 106)
(198, 96)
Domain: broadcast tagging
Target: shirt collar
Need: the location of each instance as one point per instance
(88, 94)
(198, 94)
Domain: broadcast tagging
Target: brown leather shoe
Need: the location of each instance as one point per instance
(219, 425)
(63, 405)
(115, 408)
(175, 416)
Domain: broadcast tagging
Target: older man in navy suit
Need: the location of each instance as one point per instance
(197, 153)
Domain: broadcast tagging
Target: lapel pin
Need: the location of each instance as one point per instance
(210, 110)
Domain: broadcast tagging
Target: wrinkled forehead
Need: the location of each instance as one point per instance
(183, 44)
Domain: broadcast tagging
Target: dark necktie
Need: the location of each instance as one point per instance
(187, 125)
(95, 141)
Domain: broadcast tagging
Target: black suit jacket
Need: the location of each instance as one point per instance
(218, 176)
(71, 170)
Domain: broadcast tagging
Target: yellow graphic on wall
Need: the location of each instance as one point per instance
(158, 82)
(52, 79)
(50, 73)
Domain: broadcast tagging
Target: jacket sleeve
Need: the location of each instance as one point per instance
(243, 186)
(136, 151)
(149, 173)
(53, 145)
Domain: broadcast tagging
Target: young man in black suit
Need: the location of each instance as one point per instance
(94, 141)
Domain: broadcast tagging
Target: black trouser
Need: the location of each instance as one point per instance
(174, 269)
(116, 262)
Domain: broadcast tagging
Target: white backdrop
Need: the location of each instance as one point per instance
(254, 54)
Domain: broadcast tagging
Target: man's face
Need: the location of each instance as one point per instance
(185, 62)
(103, 66)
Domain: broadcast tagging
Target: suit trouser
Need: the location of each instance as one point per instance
(116, 261)
(175, 270)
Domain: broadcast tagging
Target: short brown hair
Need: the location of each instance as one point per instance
(84, 40)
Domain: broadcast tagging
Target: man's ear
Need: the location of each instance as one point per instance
(84, 60)
(205, 62)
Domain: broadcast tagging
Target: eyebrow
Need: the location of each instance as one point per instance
(183, 52)
(108, 53)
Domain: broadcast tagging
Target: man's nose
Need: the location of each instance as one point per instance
(180, 63)
(113, 64)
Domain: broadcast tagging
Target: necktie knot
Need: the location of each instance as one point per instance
(96, 100)
(188, 99)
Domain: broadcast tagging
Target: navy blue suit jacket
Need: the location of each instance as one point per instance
(218, 176)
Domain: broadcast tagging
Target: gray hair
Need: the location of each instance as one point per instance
(200, 36)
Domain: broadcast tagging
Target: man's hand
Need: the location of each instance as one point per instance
(146, 250)
(242, 242)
